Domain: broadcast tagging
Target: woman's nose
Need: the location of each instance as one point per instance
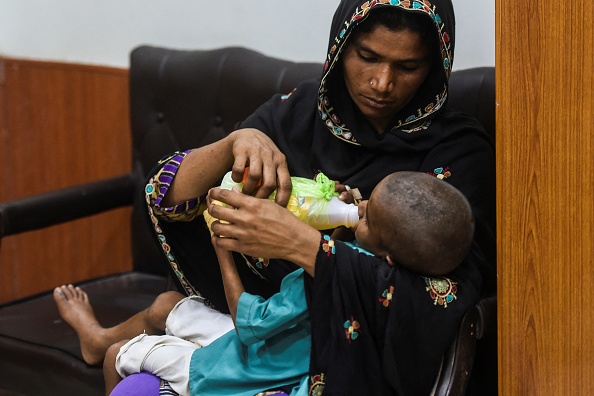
(383, 79)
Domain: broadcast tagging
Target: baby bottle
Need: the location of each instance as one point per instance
(314, 202)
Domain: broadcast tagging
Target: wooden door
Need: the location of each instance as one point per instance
(545, 88)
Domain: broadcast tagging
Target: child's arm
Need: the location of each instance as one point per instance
(231, 281)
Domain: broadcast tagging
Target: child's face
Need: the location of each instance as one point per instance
(368, 231)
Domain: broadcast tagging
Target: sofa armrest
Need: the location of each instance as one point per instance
(55, 207)
(479, 323)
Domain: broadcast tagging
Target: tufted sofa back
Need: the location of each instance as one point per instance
(184, 99)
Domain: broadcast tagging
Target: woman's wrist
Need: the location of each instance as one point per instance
(305, 249)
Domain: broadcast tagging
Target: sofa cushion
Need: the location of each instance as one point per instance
(41, 344)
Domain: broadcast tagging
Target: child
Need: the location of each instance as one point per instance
(411, 219)
(417, 221)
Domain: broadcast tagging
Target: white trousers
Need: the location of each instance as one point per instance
(190, 325)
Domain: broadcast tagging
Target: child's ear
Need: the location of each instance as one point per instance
(389, 260)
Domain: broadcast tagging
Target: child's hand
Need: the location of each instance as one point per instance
(343, 234)
(347, 194)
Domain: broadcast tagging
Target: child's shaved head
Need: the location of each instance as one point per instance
(427, 223)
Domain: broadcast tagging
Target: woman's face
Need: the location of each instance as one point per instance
(383, 69)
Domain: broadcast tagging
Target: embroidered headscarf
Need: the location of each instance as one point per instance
(430, 97)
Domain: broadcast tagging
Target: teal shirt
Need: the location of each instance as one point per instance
(270, 348)
(355, 245)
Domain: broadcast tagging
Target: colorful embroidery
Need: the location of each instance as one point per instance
(420, 127)
(386, 298)
(159, 185)
(325, 109)
(328, 245)
(260, 262)
(150, 192)
(442, 290)
(317, 382)
(351, 329)
(252, 264)
(441, 173)
(287, 96)
(154, 191)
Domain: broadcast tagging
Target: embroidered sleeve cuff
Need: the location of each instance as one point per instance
(158, 186)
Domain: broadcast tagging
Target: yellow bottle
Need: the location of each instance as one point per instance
(313, 201)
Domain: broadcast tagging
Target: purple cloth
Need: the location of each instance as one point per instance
(146, 384)
(140, 384)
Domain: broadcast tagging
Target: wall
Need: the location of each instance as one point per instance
(63, 102)
(61, 125)
(545, 149)
(104, 31)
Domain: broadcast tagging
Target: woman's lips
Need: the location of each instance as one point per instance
(377, 103)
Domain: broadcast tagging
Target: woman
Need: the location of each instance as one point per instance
(379, 107)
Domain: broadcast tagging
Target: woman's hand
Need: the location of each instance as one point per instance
(267, 165)
(204, 166)
(261, 228)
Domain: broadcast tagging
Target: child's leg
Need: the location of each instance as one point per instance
(166, 357)
(191, 320)
(110, 374)
(75, 308)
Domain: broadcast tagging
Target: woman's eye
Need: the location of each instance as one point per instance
(407, 68)
(368, 59)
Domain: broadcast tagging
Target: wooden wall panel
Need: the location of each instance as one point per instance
(61, 125)
(545, 85)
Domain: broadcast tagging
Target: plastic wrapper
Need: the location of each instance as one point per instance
(314, 202)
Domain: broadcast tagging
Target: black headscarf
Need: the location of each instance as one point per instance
(335, 106)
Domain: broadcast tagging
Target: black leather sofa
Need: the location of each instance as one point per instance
(178, 99)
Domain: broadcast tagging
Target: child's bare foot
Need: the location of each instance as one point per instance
(75, 308)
